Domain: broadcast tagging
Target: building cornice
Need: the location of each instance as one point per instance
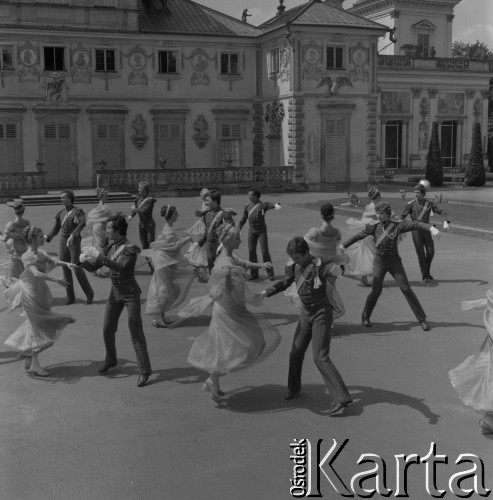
(372, 6)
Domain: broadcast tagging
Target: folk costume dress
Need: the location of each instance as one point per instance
(325, 246)
(361, 254)
(42, 327)
(171, 280)
(15, 244)
(473, 378)
(236, 338)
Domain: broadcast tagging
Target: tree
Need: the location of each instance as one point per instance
(434, 169)
(475, 174)
(478, 50)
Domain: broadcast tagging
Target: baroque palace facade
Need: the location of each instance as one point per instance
(170, 91)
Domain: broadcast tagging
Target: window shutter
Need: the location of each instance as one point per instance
(236, 130)
(9, 148)
(63, 131)
(50, 130)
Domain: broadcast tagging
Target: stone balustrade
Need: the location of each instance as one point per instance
(193, 178)
(14, 184)
(435, 63)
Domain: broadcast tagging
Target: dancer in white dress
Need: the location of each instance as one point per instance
(195, 254)
(42, 327)
(473, 378)
(362, 253)
(236, 338)
(15, 244)
(324, 242)
(171, 280)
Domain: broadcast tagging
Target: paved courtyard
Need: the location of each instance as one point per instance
(79, 435)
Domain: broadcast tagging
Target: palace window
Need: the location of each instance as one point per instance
(230, 63)
(230, 145)
(448, 143)
(105, 60)
(393, 144)
(335, 58)
(274, 62)
(54, 58)
(6, 57)
(423, 45)
(167, 61)
(9, 147)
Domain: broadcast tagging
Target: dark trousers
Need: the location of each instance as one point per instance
(71, 254)
(393, 265)
(112, 313)
(315, 327)
(254, 236)
(425, 250)
(147, 234)
(211, 253)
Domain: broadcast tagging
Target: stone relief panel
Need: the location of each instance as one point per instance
(28, 55)
(137, 60)
(274, 115)
(200, 61)
(139, 139)
(424, 107)
(423, 135)
(451, 103)
(201, 137)
(55, 85)
(80, 68)
(312, 61)
(395, 102)
(359, 68)
(284, 64)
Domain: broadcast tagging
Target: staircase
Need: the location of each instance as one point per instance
(81, 197)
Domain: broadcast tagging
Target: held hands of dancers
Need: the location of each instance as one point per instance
(446, 224)
(62, 282)
(435, 232)
(336, 271)
(89, 254)
(265, 265)
(277, 206)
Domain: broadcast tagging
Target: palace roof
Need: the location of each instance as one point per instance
(316, 13)
(185, 16)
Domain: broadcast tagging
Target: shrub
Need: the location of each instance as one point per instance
(475, 174)
(434, 169)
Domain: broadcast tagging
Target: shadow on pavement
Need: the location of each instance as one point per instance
(72, 372)
(9, 357)
(181, 375)
(270, 398)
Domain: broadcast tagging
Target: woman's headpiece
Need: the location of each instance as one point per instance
(373, 193)
(100, 192)
(167, 211)
(17, 205)
(29, 231)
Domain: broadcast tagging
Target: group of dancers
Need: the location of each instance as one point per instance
(235, 338)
